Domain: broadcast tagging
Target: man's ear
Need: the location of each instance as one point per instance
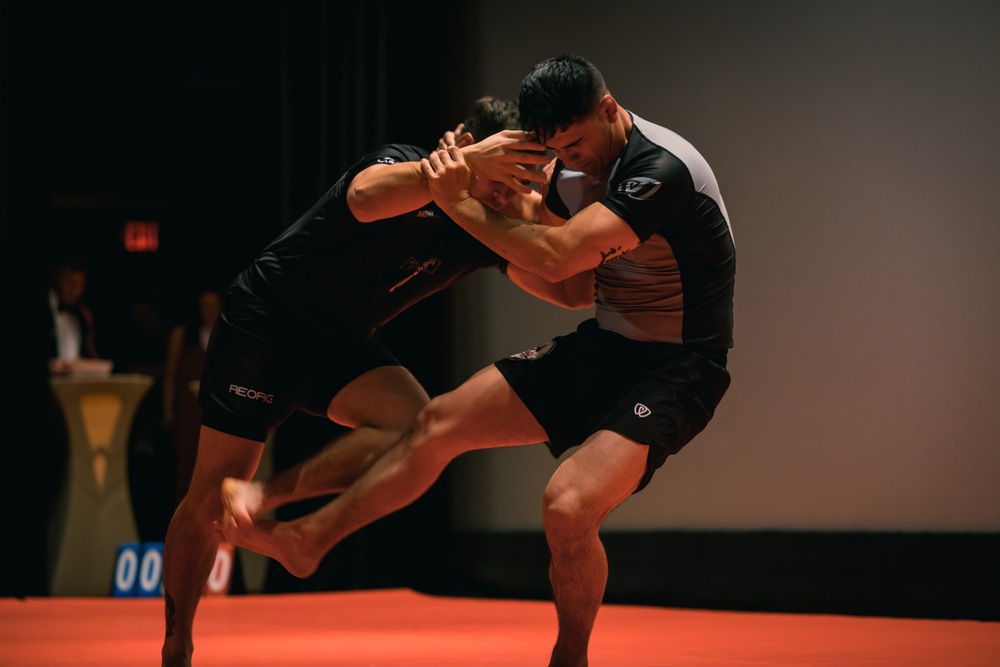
(464, 139)
(608, 107)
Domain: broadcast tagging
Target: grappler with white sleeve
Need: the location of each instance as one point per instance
(652, 364)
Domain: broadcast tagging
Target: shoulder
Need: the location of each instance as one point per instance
(657, 165)
(652, 149)
(656, 150)
(393, 153)
(387, 154)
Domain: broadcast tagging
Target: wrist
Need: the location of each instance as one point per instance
(471, 156)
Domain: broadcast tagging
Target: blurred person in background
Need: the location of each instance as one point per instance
(181, 415)
(72, 331)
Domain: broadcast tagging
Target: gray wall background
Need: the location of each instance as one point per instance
(858, 150)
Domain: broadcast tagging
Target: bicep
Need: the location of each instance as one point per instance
(594, 236)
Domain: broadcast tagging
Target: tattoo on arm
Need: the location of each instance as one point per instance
(610, 254)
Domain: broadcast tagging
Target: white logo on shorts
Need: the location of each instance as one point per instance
(641, 410)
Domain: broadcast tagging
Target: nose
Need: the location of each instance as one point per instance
(501, 196)
(569, 158)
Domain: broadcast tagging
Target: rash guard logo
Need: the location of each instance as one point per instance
(415, 267)
(638, 188)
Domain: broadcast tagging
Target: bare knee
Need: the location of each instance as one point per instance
(433, 432)
(401, 415)
(203, 501)
(567, 516)
(426, 427)
(385, 398)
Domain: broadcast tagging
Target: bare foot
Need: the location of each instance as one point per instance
(274, 539)
(242, 501)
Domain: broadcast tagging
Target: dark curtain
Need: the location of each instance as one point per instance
(358, 75)
(353, 77)
(222, 122)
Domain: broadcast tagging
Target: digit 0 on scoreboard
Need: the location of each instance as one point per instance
(139, 570)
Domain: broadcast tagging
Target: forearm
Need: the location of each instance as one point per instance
(575, 292)
(591, 237)
(533, 247)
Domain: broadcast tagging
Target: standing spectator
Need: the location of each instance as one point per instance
(182, 370)
(74, 340)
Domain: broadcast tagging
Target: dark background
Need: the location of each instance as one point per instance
(221, 122)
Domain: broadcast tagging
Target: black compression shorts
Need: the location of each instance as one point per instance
(658, 394)
(259, 369)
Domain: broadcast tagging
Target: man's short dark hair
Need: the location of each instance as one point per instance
(558, 92)
(490, 115)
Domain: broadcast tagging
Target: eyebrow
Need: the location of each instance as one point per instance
(569, 145)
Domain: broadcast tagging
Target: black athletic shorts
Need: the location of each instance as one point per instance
(260, 368)
(658, 394)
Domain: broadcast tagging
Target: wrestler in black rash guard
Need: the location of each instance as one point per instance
(298, 323)
(342, 276)
(297, 332)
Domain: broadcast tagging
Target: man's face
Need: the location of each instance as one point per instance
(209, 306)
(70, 285)
(585, 146)
(492, 193)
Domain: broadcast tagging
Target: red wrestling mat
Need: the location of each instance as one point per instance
(401, 628)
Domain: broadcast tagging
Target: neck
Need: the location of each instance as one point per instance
(621, 129)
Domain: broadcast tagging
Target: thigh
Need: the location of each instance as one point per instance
(600, 475)
(482, 413)
(384, 397)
